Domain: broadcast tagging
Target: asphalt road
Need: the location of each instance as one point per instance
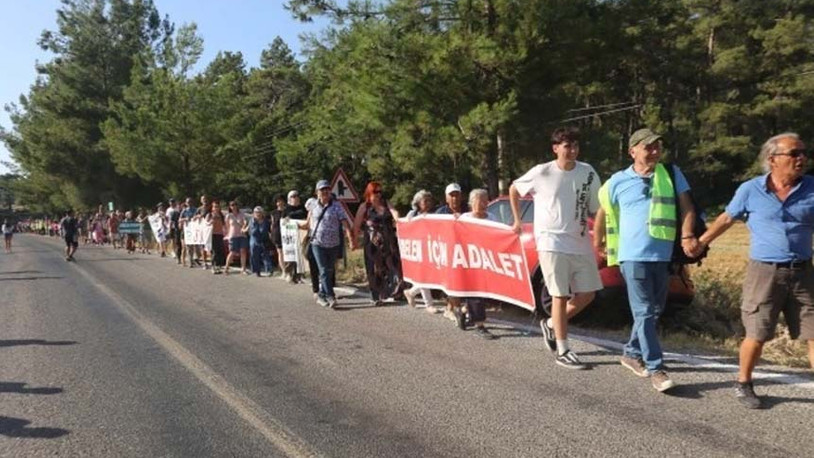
(131, 355)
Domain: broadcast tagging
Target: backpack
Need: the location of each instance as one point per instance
(700, 226)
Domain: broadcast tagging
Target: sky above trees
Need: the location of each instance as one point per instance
(247, 26)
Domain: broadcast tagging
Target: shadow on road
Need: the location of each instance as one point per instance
(17, 272)
(20, 388)
(112, 259)
(20, 342)
(41, 277)
(18, 427)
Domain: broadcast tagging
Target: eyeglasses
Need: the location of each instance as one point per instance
(795, 153)
(378, 191)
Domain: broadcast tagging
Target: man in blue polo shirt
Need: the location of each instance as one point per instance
(779, 211)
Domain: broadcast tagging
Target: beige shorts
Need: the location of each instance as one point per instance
(565, 274)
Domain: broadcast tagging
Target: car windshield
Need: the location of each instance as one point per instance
(502, 211)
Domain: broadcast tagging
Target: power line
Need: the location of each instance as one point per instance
(601, 113)
(609, 105)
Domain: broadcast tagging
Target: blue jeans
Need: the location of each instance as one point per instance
(326, 262)
(647, 293)
(259, 257)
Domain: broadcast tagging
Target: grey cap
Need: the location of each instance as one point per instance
(322, 184)
(643, 135)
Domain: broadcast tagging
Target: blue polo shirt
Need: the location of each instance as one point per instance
(780, 231)
(631, 192)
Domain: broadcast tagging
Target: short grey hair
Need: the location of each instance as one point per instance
(475, 194)
(418, 197)
(770, 148)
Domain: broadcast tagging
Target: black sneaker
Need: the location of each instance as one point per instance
(745, 393)
(569, 360)
(484, 333)
(548, 335)
(460, 318)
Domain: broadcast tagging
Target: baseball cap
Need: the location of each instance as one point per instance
(172, 201)
(258, 209)
(322, 184)
(643, 135)
(452, 187)
(293, 193)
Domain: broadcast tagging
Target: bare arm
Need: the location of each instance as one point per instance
(514, 201)
(349, 234)
(357, 221)
(688, 241)
(599, 232)
(307, 224)
(718, 227)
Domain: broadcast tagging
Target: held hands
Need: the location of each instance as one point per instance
(692, 246)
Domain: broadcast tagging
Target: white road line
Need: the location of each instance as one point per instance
(271, 428)
(788, 379)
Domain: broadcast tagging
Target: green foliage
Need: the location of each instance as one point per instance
(414, 94)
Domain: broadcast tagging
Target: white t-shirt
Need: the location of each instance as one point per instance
(563, 201)
(8, 229)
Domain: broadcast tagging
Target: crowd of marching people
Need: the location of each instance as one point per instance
(643, 217)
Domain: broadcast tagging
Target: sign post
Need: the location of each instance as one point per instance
(345, 193)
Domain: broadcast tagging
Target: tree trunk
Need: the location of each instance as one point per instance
(502, 187)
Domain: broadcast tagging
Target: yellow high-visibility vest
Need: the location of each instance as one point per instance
(661, 219)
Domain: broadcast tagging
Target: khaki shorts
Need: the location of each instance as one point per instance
(565, 273)
(769, 290)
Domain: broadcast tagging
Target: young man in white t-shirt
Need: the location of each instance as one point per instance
(566, 193)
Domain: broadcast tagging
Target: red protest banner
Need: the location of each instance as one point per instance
(466, 257)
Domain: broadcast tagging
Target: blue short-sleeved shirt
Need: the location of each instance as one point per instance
(780, 231)
(631, 192)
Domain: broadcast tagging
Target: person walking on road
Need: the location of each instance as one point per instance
(161, 235)
(113, 229)
(259, 241)
(421, 205)
(68, 228)
(565, 195)
(236, 227)
(779, 211)
(636, 228)
(203, 212)
(173, 217)
(185, 217)
(454, 206)
(380, 243)
(324, 224)
(8, 233)
(145, 232)
(276, 233)
(474, 309)
(215, 219)
(294, 209)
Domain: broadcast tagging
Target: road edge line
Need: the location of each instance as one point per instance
(272, 429)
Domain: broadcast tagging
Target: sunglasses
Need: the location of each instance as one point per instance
(378, 191)
(646, 190)
(795, 153)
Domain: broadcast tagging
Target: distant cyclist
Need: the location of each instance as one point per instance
(69, 227)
